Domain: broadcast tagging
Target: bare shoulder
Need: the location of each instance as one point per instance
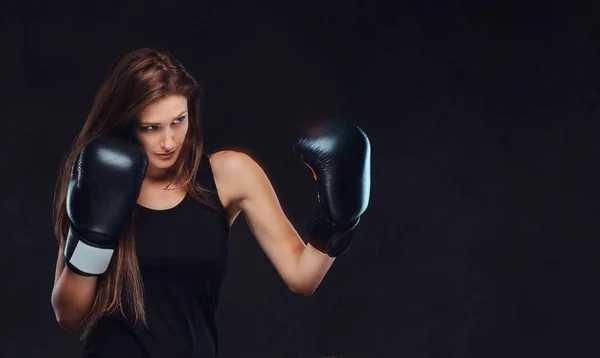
(234, 172)
(230, 164)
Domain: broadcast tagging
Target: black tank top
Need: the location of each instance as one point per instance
(182, 253)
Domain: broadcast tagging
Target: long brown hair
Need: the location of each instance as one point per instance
(134, 81)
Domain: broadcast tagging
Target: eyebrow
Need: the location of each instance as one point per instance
(157, 124)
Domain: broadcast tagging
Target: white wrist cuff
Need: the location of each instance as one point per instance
(90, 259)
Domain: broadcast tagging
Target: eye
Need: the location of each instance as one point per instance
(152, 128)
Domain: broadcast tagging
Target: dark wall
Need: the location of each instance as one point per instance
(481, 238)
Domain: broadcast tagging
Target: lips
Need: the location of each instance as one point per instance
(166, 155)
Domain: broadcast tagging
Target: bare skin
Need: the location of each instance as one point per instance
(242, 186)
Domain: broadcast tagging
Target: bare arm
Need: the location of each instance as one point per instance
(72, 296)
(301, 266)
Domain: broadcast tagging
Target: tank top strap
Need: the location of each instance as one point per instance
(205, 177)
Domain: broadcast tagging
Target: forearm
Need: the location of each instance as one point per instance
(72, 298)
(311, 268)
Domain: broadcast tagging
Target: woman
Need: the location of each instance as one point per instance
(142, 215)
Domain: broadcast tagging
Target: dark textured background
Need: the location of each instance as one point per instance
(481, 238)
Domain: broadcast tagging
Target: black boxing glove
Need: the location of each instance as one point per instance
(105, 183)
(339, 155)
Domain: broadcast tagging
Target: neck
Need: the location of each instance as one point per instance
(158, 177)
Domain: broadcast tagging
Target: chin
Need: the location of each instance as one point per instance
(164, 165)
(161, 164)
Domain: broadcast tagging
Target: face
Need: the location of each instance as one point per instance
(161, 131)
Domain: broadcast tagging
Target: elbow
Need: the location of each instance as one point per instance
(303, 290)
(307, 292)
(67, 323)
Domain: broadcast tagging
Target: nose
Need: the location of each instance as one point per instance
(167, 141)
